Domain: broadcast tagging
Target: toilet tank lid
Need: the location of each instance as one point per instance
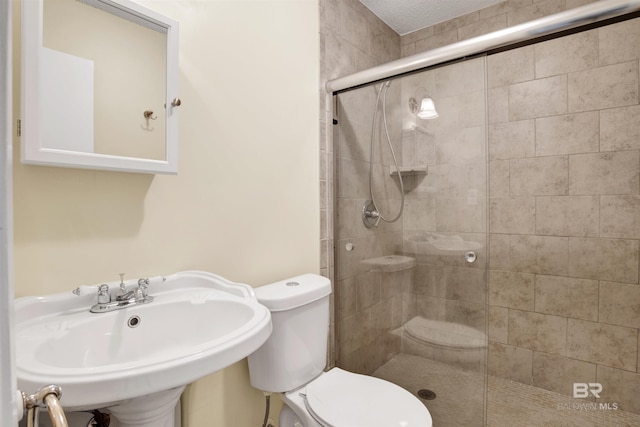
(293, 292)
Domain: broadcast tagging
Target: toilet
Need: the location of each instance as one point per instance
(293, 359)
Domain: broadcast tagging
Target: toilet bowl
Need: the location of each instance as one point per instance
(340, 398)
(292, 362)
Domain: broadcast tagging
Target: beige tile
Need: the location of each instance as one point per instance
(535, 11)
(535, 331)
(605, 87)
(497, 9)
(392, 283)
(425, 279)
(539, 254)
(472, 108)
(567, 134)
(620, 304)
(409, 307)
(347, 294)
(417, 35)
(437, 40)
(368, 289)
(499, 252)
(620, 42)
(339, 56)
(460, 78)
(407, 50)
(461, 215)
(567, 216)
(498, 104)
(353, 27)
(512, 215)
(572, 4)
(566, 54)
(620, 128)
(512, 290)
(354, 332)
(498, 324)
(513, 363)
(464, 313)
(384, 43)
(604, 259)
(512, 140)
(354, 178)
(604, 173)
(419, 214)
(567, 296)
(454, 181)
(485, 26)
(464, 146)
(539, 176)
(461, 283)
(558, 373)
(499, 178)
(512, 66)
(614, 346)
(621, 387)
(620, 216)
(381, 317)
(425, 149)
(538, 98)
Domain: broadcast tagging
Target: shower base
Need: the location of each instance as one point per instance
(460, 398)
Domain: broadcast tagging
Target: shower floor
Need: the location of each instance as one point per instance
(460, 398)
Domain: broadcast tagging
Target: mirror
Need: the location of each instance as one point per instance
(99, 86)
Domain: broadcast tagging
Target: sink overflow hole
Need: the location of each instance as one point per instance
(134, 321)
(426, 394)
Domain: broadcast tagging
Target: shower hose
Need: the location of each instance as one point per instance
(382, 92)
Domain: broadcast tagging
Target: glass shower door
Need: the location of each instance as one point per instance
(411, 295)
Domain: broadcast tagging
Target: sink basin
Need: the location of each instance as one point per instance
(197, 324)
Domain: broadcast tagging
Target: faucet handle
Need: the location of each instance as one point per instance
(122, 285)
(103, 294)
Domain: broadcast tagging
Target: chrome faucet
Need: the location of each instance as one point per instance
(123, 298)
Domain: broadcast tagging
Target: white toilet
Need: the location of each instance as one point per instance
(293, 359)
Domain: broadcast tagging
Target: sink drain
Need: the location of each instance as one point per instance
(133, 322)
(426, 394)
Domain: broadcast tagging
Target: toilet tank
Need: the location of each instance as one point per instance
(296, 351)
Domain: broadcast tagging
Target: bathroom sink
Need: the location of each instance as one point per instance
(197, 324)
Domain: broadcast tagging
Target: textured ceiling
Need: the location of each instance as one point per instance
(406, 16)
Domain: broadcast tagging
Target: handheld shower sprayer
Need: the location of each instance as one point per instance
(371, 214)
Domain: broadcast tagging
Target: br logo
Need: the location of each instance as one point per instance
(583, 390)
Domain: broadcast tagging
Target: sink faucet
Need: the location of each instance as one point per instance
(123, 298)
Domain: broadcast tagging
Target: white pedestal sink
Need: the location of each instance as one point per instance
(197, 324)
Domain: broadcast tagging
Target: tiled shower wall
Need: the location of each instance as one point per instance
(564, 144)
(564, 141)
(351, 39)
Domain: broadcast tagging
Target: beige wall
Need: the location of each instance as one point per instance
(244, 204)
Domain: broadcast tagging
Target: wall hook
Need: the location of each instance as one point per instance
(148, 114)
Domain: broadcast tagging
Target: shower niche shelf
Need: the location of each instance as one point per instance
(409, 170)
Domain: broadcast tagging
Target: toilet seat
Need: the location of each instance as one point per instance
(339, 398)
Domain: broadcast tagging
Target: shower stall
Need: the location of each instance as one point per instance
(506, 290)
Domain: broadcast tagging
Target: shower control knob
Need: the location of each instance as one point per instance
(470, 257)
